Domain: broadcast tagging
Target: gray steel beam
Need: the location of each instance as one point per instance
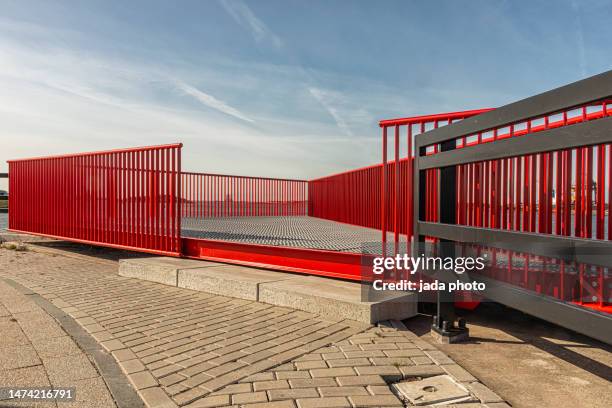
(580, 319)
(588, 251)
(578, 93)
(595, 132)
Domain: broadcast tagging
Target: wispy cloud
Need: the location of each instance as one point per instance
(325, 98)
(212, 102)
(247, 19)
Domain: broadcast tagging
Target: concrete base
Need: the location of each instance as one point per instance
(453, 336)
(338, 299)
(322, 296)
(229, 280)
(158, 269)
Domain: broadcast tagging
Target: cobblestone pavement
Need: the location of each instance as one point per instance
(188, 348)
(36, 352)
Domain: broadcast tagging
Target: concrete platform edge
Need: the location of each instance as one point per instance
(321, 296)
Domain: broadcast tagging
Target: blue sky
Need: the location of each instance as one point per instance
(274, 88)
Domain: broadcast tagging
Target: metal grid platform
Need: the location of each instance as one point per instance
(296, 231)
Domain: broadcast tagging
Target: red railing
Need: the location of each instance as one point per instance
(217, 195)
(561, 193)
(354, 197)
(397, 210)
(120, 198)
(565, 192)
(370, 198)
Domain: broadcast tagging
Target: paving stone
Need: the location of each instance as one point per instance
(171, 380)
(285, 375)
(459, 373)
(17, 357)
(361, 380)
(131, 366)
(309, 357)
(379, 390)
(394, 361)
(33, 376)
(93, 328)
(235, 389)
(384, 371)
(483, 393)
(307, 365)
(211, 402)
(112, 345)
(349, 362)
(123, 354)
(325, 402)
(381, 347)
(313, 382)
(142, 380)
(275, 404)
(375, 401)
(342, 391)
(404, 353)
(155, 397)
(67, 369)
(91, 393)
(421, 360)
(102, 336)
(293, 393)
(193, 394)
(270, 385)
(249, 398)
(439, 357)
(369, 353)
(421, 371)
(332, 372)
(259, 377)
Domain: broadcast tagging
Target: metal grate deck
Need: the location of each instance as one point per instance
(296, 231)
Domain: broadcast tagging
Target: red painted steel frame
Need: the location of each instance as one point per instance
(123, 199)
(310, 261)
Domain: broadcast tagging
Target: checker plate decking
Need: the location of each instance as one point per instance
(297, 232)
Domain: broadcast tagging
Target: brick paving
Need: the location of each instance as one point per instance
(185, 348)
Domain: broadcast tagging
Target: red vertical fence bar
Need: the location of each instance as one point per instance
(219, 195)
(120, 198)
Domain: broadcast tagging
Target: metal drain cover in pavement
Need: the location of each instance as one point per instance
(439, 390)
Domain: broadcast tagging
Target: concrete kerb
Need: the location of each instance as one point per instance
(322, 296)
(163, 270)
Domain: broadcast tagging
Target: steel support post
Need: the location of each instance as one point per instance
(444, 327)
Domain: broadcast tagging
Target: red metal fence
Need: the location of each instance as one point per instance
(370, 198)
(355, 197)
(561, 193)
(120, 198)
(564, 192)
(217, 195)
